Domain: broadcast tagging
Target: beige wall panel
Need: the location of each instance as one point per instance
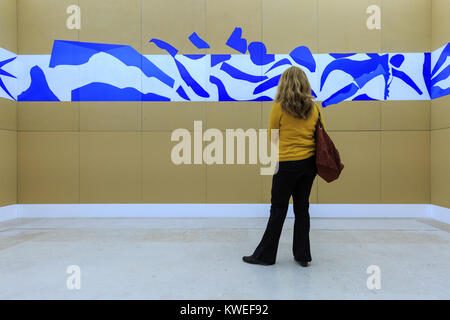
(223, 16)
(233, 184)
(343, 27)
(172, 21)
(233, 115)
(288, 24)
(8, 114)
(440, 23)
(406, 26)
(110, 116)
(110, 167)
(165, 182)
(360, 180)
(266, 107)
(405, 115)
(266, 187)
(48, 167)
(111, 21)
(352, 115)
(48, 116)
(440, 113)
(405, 167)
(168, 116)
(8, 167)
(8, 25)
(440, 171)
(41, 22)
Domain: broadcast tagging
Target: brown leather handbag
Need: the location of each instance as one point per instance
(328, 161)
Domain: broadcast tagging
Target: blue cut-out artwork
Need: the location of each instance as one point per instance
(279, 63)
(183, 93)
(258, 54)
(39, 89)
(238, 74)
(84, 71)
(218, 58)
(6, 74)
(165, 46)
(198, 42)
(236, 42)
(303, 56)
(106, 92)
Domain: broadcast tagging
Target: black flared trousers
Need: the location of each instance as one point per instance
(294, 178)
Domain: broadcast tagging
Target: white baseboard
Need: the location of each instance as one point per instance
(439, 213)
(222, 210)
(8, 212)
(219, 210)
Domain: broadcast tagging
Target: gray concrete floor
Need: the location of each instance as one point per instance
(201, 259)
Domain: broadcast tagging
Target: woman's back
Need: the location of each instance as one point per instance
(296, 138)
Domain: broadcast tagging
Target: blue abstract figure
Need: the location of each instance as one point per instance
(303, 56)
(165, 46)
(198, 42)
(98, 91)
(183, 93)
(238, 74)
(6, 74)
(236, 42)
(190, 81)
(281, 62)
(258, 54)
(361, 71)
(78, 53)
(218, 58)
(172, 77)
(39, 89)
(396, 61)
(435, 90)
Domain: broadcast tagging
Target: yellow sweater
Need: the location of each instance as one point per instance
(296, 140)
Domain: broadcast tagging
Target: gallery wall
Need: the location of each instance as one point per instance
(119, 152)
(440, 115)
(8, 111)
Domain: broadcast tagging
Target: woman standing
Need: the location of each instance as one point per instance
(295, 114)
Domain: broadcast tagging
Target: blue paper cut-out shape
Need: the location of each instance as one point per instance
(194, 56)
(282, 62)
(303, 56)
(190, 81)
(77, 53)
(341, 95)
(6, 74)
(272, 82)
(341, 55)
(38, 89)
(218, 58)
(442, 58)
(258, 54)
(183, 93)
(222, 92)
(198, 42)
(165, 46)
(363, 97)
(426, 71)
(236, 41)
(98, 91)
(397, 60)
(240, 75)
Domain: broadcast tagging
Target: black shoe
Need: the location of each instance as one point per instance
(302, 263)
(250, 259)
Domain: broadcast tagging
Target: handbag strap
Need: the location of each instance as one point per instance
(319, 118)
